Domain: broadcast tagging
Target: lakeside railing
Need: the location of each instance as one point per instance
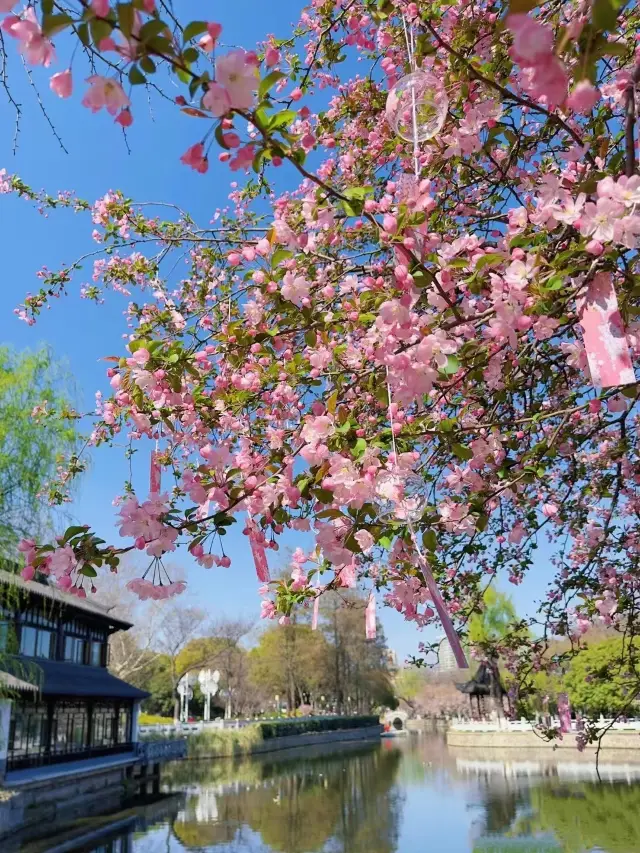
(523, 725)
(219, 724)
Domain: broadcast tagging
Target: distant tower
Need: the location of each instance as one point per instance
(446, 658)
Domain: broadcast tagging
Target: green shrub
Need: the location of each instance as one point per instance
(314, 725)
(220, 743)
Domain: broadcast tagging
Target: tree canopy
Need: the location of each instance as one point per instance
(418, 344)
(37, 439)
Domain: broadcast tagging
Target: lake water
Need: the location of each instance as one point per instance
(409, 795)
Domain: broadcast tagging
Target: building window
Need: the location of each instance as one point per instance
(96, 658)
(124, 724)
(104, 731)
(70, 727)
(54, 731)
(74, 649)
(36, 642)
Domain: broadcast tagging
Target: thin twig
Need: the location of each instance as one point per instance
(11, 99)
(42, 107)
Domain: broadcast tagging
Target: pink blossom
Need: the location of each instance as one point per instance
(6, 6)
(100, 8)
(34, 46)
(195, 157)
(104, 92)
(271, 56)
(295, 288)
(124, 118)
(549, 509)
(239, 78)
(62, 83)
(584, 96)
(598, 220)
(517, 533)
(532, 41)
(365, 540)
(216, 99)
(267, 609)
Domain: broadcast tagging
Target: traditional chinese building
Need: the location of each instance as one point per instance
(58, 701)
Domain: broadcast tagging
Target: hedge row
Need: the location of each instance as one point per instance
(316, 724)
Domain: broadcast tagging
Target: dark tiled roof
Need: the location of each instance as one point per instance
(51, 592)
(58, 678)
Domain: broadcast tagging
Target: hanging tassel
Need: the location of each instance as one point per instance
(155, 473)
(370, 618)
(564, 712)
(604, 336)
(316, 611)
(440, 606)
(258, 551)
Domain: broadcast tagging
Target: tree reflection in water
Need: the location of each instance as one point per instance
(346, 800)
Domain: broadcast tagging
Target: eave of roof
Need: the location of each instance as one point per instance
(72, 601)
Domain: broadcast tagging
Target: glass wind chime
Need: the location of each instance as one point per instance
(416, 110)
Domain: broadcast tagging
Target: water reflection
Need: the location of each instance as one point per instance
(411, 797)
(296, 804)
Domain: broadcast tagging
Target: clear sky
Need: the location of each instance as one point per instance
(81, 333)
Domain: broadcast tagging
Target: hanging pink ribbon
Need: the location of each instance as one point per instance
(440, 606)
(370, 618)
(258, 551)
(564, 712)
(316, 611)
(155, 474)
(604, 336)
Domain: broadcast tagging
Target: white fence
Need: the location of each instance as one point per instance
(522, 725)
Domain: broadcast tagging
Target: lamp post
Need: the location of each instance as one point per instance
(209, 687)
(185, 691)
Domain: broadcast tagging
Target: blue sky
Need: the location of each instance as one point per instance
(81, 333)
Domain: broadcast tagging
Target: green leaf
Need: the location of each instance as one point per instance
(100, 29)
(359, 193)
(70, 532)
(219, 135)
(462, 452)
(83, 34)
(126, 18)
(279, 256)
(359, 448)
(190, 55)
(605, 14)
(452, 366)
(195, 28)
(352, 208)
(490, 258)
(269, 82)
(47, 7)
(385, 542)
(323, 495)
(151, 29)
(88, 571)
(430, 540)
(282, 119)
(136, 77)
(147, 64)
(310, 337)
(52, 24)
